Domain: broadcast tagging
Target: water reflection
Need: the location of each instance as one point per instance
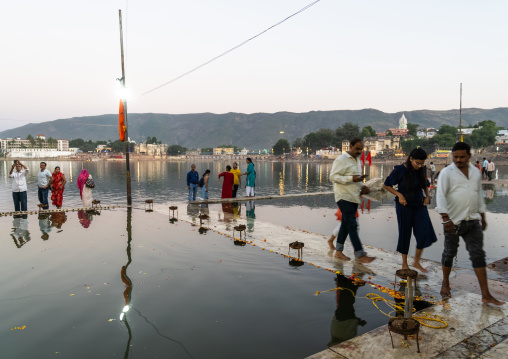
(20, 233)
(250, 213)
(86, 217)
(127, 293)
(58, 219)
(344, 325)
(44, 225)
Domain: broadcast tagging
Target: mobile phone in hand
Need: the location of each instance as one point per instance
(364, 176)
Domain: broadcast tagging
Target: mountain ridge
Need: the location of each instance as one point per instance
(254, 131)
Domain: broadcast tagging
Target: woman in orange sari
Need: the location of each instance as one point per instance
(57, 187)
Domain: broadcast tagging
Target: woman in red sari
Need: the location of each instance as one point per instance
(58, 182)
(227, 185)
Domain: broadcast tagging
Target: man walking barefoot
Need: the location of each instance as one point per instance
(346, 177)
(460, 203)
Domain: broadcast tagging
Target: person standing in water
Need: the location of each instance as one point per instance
(411, 206)
(460, 202)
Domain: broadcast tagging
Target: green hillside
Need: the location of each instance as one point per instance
(254, 131)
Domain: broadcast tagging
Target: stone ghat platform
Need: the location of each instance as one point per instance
(14, 213)
(475, 330)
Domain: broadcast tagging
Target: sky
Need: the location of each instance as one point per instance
(61, 58)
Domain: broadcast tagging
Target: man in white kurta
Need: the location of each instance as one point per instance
(347, 178)
(460, 202)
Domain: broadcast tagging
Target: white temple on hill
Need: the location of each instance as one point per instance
(403, 123)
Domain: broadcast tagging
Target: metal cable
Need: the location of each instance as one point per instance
(230, 50)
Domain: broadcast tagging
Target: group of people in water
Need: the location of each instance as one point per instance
(46, 182)
(231, 181)
(459, 202)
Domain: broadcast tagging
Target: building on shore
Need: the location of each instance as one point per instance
(426, 133)
(223, 151)
(327, 152)
(156, 150)
(38, 147)
(379, 145)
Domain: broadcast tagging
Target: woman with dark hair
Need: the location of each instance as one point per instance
(411, 206)
(251, 178)
(204, 184)
(57, 186)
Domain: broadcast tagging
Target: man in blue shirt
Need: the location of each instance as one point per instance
(192, 182)
(484, 168)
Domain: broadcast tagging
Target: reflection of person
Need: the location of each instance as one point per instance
(250, 213)
(238, 179)
(250, 183)
(460, 203)
(43, 182)
(20, 232)
(58, 182)
(85, 218)
(411, 206)
(192, 182)
(490, 169)
(204, 189)
(346, 177)
(19, 185)
(345, 323)
(227, 184)
(44, 225)
(86, 185)
(58, 219)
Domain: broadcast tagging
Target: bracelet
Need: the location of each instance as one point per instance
(446, 221)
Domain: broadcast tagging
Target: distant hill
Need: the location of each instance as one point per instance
(254, 131)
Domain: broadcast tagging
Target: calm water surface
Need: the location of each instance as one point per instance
(67, 278)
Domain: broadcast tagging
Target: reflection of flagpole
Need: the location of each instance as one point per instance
(127, 294)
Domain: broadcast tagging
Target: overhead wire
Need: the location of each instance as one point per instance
(231, 49)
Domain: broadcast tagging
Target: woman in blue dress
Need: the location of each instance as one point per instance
(411, 206)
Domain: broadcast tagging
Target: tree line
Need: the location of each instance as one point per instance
(484, 135)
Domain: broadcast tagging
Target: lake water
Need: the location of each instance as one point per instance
(67, 278)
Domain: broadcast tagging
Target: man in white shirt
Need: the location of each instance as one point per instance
(491, 167)
(44, 180)
(346, 176)
(460, 202)
(19, 185)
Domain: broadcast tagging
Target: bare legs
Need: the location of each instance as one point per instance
(416, 261)
(330, 242)
(481, 274)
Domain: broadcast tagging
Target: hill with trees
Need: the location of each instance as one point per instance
(254, 131)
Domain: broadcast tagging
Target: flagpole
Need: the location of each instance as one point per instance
(460, 115)
(122, 80)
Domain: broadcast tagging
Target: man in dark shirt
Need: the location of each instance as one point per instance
(192, 182)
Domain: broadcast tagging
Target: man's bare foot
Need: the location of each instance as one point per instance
(330, 244)
(492, 300)
(340, 255)
(445, 291)
(405, 266)
(365, 259)
(419, 267)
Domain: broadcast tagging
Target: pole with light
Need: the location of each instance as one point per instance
(123, 118)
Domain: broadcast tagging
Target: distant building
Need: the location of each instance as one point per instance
(402, 123)
(502, 137)
(376, 145)
(223, 151)
(328, 152)
(426, 133)
(37, 148)
(194, 152)
(345, 145)
(157, 150)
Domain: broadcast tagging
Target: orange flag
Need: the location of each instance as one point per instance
(121, 122)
